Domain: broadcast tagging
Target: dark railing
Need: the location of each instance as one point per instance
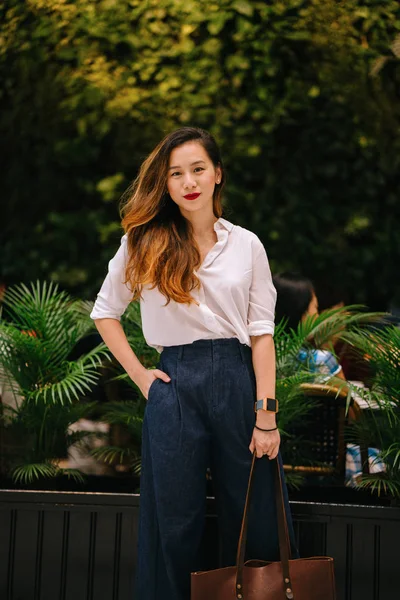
(82, 546)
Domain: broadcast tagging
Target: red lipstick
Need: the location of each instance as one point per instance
(191, 196)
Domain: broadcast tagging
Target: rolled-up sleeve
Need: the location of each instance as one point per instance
(262, 299)
(114, 295)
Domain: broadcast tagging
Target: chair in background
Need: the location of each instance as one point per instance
(324, 432)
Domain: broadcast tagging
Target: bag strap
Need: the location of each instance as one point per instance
(283, 535)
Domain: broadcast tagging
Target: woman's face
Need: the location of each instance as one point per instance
(192, 173)
(312, 309)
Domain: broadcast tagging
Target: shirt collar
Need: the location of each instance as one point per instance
(222, 228)
(223, 224)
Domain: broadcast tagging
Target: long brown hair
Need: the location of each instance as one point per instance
(161, 248)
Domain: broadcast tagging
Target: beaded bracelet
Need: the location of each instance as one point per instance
(260, 428)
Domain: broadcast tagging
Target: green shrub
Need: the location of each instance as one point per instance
(310, 138)
(42, 328)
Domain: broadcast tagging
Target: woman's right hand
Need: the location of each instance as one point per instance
(147, 377)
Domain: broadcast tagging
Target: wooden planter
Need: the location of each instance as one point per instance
(82, 545)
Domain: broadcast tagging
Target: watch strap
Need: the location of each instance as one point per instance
(268, 404)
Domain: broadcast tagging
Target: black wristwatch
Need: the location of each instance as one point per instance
(267, 404)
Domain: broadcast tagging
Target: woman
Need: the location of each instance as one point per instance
(296, 300)
(207, 304)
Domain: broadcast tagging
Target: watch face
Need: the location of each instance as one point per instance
(269, 404)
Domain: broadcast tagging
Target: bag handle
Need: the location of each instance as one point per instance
(283, 535)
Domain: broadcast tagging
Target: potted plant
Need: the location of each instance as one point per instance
(380, 424)
(40, 329)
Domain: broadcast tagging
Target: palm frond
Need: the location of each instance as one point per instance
(294, 480)
(28, 473)
(391, 455)
(82, 310)
(74, 474)
(137, 466)
(380, 484)
(71, 380)
(334, 322)
(381, 348)
(113, 454)
(76, 382)
(35, 346)
(40, 308)
(126, 413)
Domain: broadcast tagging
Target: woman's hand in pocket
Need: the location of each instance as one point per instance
(147, 378)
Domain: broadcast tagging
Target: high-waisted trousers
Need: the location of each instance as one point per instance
(204, 417)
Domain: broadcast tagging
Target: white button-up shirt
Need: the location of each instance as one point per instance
(236, 298)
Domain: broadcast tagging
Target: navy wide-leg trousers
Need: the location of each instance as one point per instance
(203, 418)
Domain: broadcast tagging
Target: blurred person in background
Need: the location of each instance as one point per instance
(297, 300)
(332, 294)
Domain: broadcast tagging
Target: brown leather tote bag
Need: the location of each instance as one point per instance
(288, 579)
